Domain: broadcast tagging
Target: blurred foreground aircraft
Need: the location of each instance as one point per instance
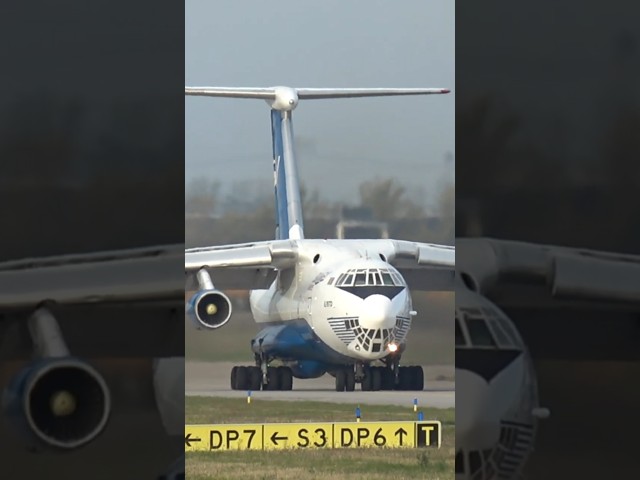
(497, 402)
(86, 338)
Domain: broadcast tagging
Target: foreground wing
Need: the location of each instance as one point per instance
(112, 276)
(499, 268)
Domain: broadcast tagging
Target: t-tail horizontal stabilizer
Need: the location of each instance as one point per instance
(286, 98)
(283, 100)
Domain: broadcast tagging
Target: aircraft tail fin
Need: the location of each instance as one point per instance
(283, 100)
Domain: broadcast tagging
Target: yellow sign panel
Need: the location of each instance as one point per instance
(223, 437)
(280, 436)
(380, 434)
(297, 435)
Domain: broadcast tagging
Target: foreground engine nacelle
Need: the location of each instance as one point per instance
(209, 309)
(60, 403)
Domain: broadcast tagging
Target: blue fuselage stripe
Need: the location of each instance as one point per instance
(294, 340)
(282, 218)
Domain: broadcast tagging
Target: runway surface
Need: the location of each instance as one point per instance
(212, 380)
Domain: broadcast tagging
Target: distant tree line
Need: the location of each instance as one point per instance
(386, 198)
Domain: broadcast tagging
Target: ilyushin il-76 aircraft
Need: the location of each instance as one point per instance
(341, 307)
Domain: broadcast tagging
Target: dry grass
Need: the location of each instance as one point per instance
(208, 410)
(361, 464)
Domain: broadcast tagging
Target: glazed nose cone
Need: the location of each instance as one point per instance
(376, 312)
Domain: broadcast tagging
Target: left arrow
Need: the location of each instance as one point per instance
(275, 438)
(188, 439)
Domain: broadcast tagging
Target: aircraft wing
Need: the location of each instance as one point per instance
(526, 274)
(241, 266)
(141, 274)
(424, 266)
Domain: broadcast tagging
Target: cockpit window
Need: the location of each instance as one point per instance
(500, 334)
(479, 333)
(386, 278)
(459, 335)
(366, 277)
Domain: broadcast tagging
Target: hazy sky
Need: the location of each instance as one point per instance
(340, 143)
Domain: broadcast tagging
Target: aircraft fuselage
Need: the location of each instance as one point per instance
(337, 305)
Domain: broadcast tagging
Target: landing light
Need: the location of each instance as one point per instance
(392, 347)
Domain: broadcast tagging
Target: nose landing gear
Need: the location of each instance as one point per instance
(376, 378)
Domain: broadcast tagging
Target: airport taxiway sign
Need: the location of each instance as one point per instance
(280, 436)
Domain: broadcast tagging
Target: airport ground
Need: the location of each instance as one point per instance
(210, 356)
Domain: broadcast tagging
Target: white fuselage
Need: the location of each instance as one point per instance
(352, 299)
(496, 391)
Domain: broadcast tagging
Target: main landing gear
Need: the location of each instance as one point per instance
(373, 379)
(261, 377)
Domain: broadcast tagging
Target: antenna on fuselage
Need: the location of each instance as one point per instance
(283, 100)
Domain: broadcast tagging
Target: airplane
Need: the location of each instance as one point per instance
(326, 305)
(497, 403)
(86, 340)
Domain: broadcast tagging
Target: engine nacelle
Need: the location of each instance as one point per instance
(60, 403)
(209, 309)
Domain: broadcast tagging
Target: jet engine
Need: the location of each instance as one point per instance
(209, 309)
(61, 403)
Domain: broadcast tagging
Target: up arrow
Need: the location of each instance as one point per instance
(275, 438)
(399, 433)
(188, 440)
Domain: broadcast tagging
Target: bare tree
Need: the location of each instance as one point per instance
(201, 197)
(387, 200)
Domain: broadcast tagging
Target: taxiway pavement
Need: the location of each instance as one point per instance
(212, 380)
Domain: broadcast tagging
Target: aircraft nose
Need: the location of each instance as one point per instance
(489, 389)
(376, 312)
(477, 420)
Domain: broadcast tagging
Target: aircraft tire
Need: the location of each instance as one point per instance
(376, 378)
(388, 379)
(404, 379)
(350, 380)
(341, 380)
(286, 378)
(255, 378)
(273, 379)
(242, 378)
(418, 378)
(234, 374)
(366, 381)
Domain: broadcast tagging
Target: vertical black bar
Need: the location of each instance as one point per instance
(547, 121)
(92, 149)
